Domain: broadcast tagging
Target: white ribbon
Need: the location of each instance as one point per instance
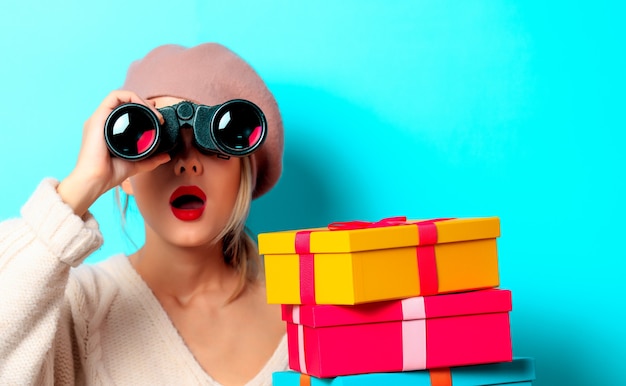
(295, 315)
(413, 334)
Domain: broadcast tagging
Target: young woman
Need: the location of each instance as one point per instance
(189, 306)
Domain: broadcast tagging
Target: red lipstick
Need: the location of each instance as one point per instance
(188, 203)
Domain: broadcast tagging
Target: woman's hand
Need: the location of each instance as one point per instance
(96, 171)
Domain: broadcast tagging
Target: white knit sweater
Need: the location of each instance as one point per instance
(94, 324)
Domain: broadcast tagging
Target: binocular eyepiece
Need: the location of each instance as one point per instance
(234, 128)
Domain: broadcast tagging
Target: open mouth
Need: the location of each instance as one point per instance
(188, 203)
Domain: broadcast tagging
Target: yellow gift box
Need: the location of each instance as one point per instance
(360, 262)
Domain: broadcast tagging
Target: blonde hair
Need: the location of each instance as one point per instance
(239, 249)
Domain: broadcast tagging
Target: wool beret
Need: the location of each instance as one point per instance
(211, 74)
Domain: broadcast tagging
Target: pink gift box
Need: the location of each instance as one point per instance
(401, 335)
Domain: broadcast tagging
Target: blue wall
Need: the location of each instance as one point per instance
(416, 108)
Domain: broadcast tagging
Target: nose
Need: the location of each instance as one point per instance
(188, 158)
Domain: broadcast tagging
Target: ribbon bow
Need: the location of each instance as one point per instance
(356, 224)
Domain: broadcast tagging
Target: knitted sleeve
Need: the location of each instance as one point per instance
(36, 253)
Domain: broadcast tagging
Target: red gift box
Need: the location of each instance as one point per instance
(401, 335)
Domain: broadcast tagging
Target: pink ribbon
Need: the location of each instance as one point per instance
(413, 334)
(295, 315)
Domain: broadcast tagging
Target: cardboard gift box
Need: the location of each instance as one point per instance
(519, 372)
(401, 335)
(357, 262)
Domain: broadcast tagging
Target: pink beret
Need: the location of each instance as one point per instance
(211, 74)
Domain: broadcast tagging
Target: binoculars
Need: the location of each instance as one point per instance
(234, 128)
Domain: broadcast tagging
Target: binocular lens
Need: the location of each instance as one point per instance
(132, 131)
(238, 127)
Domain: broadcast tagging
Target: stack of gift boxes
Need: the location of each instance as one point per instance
(393, 302)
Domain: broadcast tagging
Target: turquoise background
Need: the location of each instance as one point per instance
(416, 108)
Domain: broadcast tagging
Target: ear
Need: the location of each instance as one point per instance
(127, 187)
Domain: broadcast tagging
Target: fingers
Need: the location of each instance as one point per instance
(119, 97)
(96, 171)
(152, 163)
(152, 105)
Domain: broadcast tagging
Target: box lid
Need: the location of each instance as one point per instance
(387, 233)
(521, 369)
(420, 307)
